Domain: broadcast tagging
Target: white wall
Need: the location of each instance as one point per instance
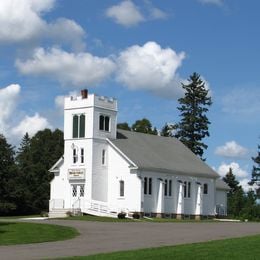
(118, 169)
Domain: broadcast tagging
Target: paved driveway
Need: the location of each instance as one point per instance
(99, 237)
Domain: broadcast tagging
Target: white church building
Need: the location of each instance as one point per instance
(105, 171)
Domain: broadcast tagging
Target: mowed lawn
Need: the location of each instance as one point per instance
(23, 233)
(246, 248)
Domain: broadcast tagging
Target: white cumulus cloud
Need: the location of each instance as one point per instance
(150, 67)
(223, 169)
(81, 69)
(21, 21)
(8, 103)
(125, 13)
(31, 125)
(231, 149)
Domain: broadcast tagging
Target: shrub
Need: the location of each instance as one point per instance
(121, 215)
(136, 215)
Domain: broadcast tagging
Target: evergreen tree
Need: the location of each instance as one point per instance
(167, 130)
(235, 197)
(144, 126)
(35, 157)
(230, 180)
(255, 179)
(7, 176)
(123, 126)
(193, 126)
(26, 179)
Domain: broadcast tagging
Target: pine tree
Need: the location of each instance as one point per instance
(255, 178)
(235, 197)
(167, 130)
(193, 126)
(7, 175)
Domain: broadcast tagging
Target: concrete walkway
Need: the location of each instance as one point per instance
(97, 237)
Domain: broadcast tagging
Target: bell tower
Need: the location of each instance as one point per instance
(89, 120)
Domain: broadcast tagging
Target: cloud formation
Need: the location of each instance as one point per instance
(21, 21)
(150, 67)
(128, 14)
(223, 169)
(31, 125)
(125, 13)
(9, 115)
(231, 149)
(8, 102)
(67, 67)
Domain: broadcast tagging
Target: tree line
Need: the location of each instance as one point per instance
(24, 176)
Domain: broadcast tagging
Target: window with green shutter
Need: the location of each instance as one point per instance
(82, 126)
(75, 132)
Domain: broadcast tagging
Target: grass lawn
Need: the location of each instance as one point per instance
(236, 248)
(23, 233)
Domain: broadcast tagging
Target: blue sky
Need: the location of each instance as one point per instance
(138, 52)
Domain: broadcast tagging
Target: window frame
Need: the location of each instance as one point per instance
(103, 157)
(74, 155)
(187, 189)
(121, 189)
(205, 191)
(104, 123)
(82, 155)
(78, 126)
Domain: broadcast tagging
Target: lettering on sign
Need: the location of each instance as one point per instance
(76, 174)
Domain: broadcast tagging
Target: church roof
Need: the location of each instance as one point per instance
(221, 185)
(161, 154)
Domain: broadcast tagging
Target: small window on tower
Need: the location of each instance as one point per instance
(104, 123)
(82, 155)
(75, 156)
(78, 129)
(103, 157)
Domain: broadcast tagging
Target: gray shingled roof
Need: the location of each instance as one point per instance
(164, 154)
(221, 185)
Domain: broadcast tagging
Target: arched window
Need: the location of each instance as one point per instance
(122, 188)
(82, 126)
(78, 129)
(75, 126)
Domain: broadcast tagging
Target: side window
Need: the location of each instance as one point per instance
(170, 187)
(145, 185)
(187, 189)
(122, 188)
(165, 187)
(205, 188)
(150, 185)
(74, 190)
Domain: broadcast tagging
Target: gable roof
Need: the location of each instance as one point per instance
(161, 154)
(221, 185)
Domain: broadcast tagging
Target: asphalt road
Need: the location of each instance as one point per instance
(100, 237)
